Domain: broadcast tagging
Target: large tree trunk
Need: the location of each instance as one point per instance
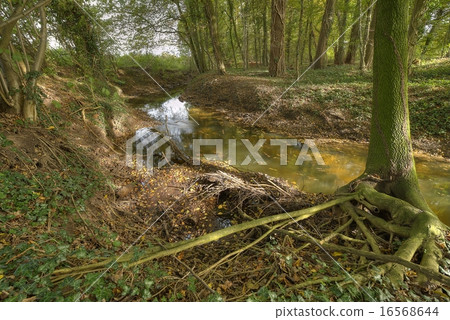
(415, 24)
(327, 23)
(390, 151)
(390, 162)
(211, 16)
(277, 65)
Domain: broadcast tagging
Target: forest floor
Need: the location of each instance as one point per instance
(332, 103)
(68, 199)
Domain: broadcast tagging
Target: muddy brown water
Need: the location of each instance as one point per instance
(344, 161)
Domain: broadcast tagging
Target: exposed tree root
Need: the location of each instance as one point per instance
(158, 252)
(419, 229)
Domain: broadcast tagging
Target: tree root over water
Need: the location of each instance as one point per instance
(373, 214)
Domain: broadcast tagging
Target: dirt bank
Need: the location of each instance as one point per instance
(311, 110)
(138, 83)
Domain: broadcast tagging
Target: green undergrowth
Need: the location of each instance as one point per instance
(347, 88)
(156, 63)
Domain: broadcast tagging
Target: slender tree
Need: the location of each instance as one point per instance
(18, 77)
(341, 14)
(415, 24)
(354, 38)
(299, 48)
(368, 56)
(277, 65)
(327, 23)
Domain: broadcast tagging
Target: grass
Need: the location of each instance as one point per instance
(348, 88)
(157, 63)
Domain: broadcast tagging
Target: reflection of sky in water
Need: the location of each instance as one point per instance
(344, 161)
(174, 116)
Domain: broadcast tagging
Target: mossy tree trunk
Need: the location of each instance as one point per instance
(390, 161)
(390, 150)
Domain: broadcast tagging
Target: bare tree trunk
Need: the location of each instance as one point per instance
(368, 57)
(298, 50)
(311, 41)
(245, 37)
(11, 77)
(415, 24)
(277, 65)
(354, 39)
(265, 37)
(210, 13)
(29, 107)
(364, 36)
(289, 29)
(339, 57)
(327, 23)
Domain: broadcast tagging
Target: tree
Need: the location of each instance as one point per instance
(327, 23)
(277, 65)
(18, 75)
(368, 56)
(299, 48)
(415, 24)
(354, 38)
(341, 14)
(390, 162)
(211, 16)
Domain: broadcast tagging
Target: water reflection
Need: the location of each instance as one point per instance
(344, 161)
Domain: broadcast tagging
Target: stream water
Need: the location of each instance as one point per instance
(344, 161)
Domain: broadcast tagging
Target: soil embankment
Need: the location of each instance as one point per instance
(316, 110)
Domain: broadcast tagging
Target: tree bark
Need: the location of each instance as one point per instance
(339, 57)
(368, 57)
(277, 65)
(390, 150)
(29, 107)
(265, 55)
(327, 23)
(211, 16)
(299, 48)
(245, 36)
(354, 39)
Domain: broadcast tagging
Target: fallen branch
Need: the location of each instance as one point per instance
(158, 252)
